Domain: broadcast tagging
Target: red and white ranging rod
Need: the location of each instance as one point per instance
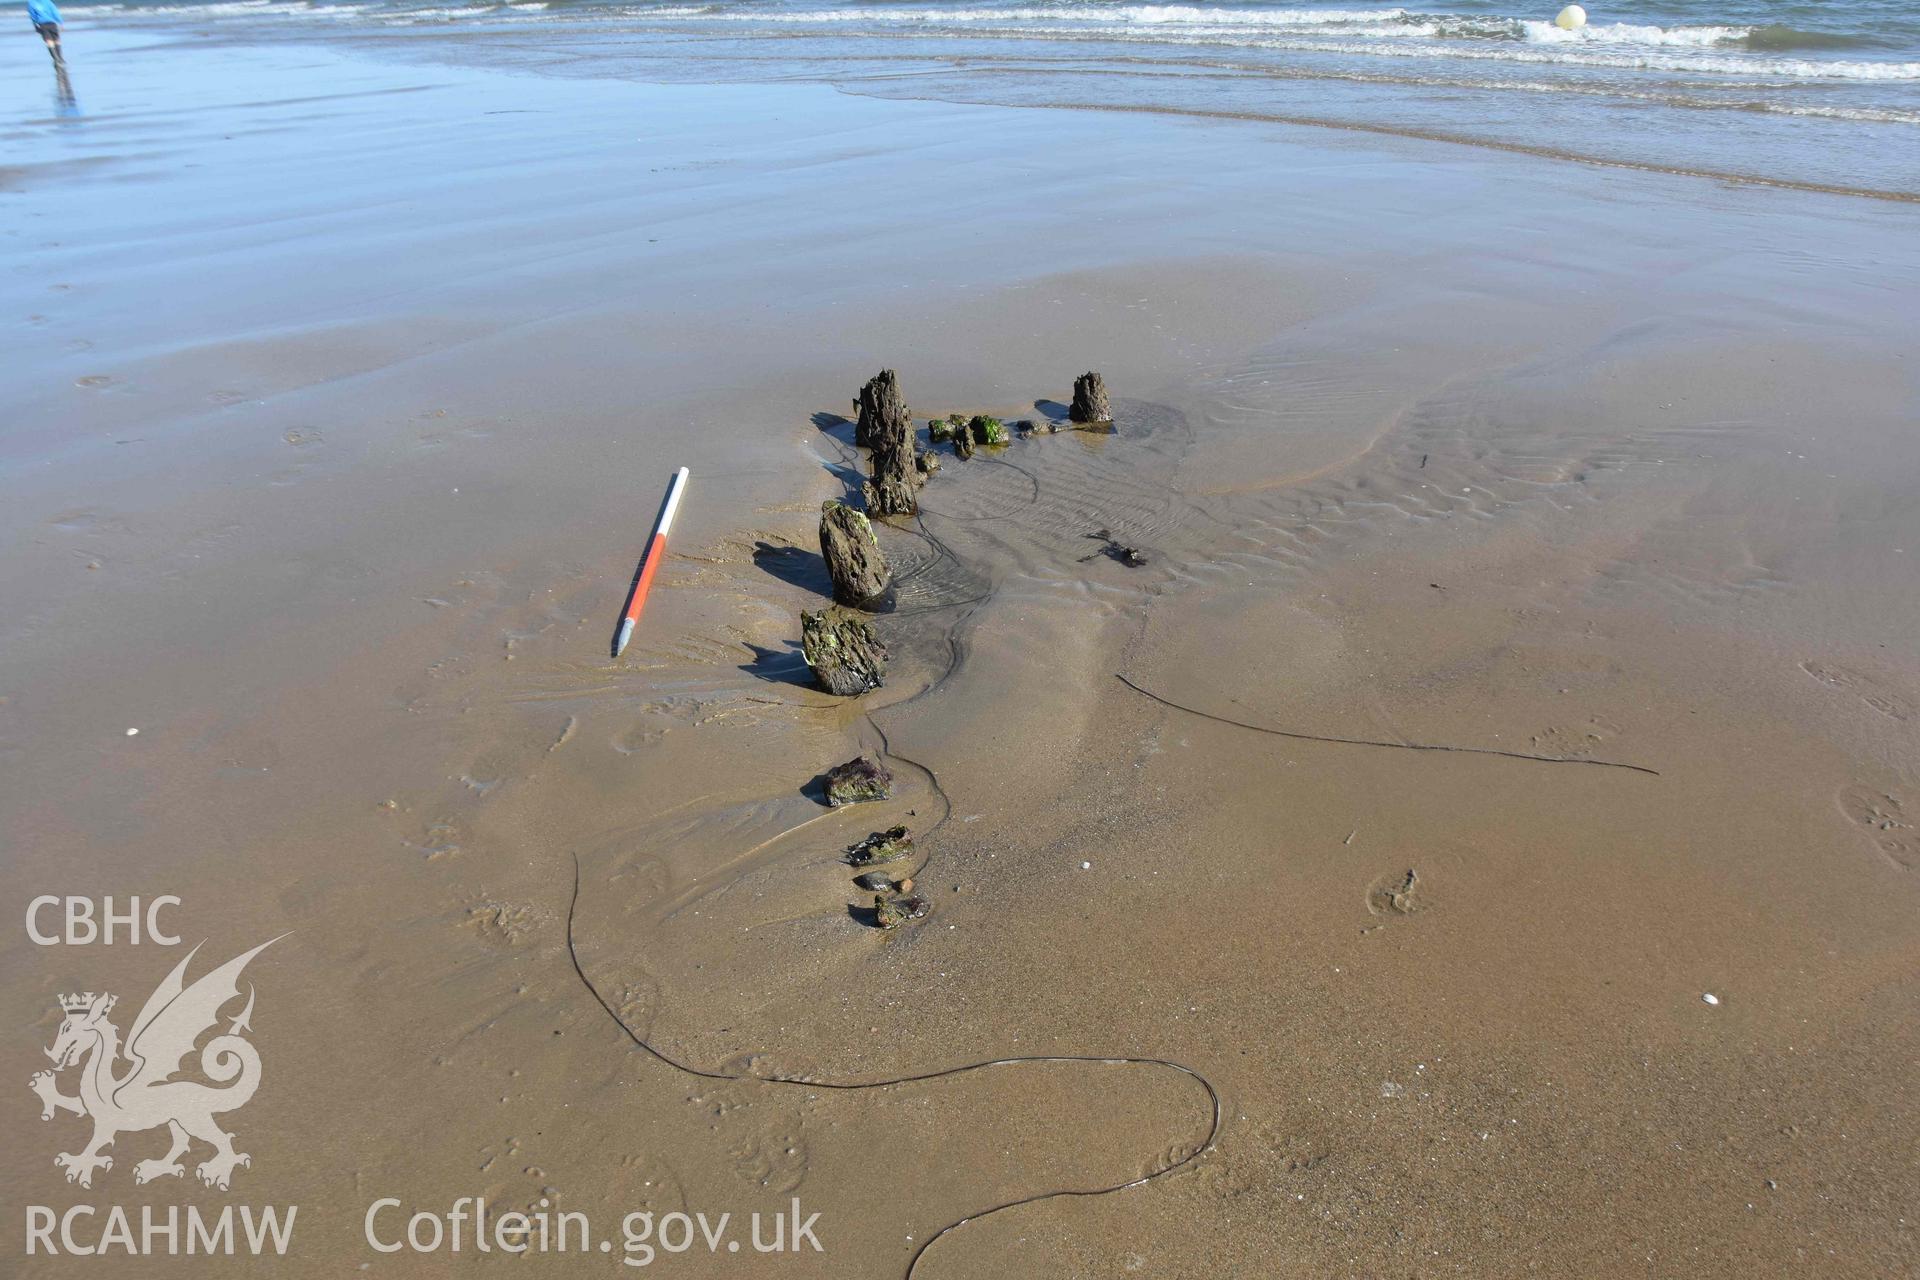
(656, 552)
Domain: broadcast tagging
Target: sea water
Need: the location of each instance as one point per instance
(1809, 94)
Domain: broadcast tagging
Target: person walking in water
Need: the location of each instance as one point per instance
(45, 16)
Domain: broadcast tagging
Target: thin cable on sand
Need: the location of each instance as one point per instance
(852, 1086)
(1369, 742)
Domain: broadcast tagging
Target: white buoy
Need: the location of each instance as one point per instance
(1571, 18)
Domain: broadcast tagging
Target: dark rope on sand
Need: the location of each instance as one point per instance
(1032, 479)
(851, 1086)
(941, 551)
(1368, 742)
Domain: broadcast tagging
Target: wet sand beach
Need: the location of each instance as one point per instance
(341, 390)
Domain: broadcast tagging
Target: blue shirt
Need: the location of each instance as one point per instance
(43, 11)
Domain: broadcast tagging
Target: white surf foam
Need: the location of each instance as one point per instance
(1147, 15)
(1633, 34)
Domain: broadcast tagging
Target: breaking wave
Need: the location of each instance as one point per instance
(1814, 92)
(1394, 32)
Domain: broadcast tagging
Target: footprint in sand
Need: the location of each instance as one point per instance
(662, 718)
(440, 840)
(1256, 1165)
(774, 1160)
(95, 380)
(502, 923)
(1400, 894)
(1865, 688)
(433, 440)
(1574, 741)
(493, 1154)
(638, 1003)
(1885, 820)
(649, 1184)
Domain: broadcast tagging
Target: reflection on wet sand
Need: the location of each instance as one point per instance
(64, 101)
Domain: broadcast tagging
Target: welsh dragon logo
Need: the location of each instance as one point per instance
(144, 1094)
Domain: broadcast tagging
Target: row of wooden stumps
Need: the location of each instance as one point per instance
(884, 425)
(839, 643)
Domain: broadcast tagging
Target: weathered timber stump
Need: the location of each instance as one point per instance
(840, 646)
(859, 779)
(1090, 399)
(886, 428)
(880, 406)
(854, 560)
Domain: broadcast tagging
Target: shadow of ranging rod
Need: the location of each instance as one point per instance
(656, 552)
